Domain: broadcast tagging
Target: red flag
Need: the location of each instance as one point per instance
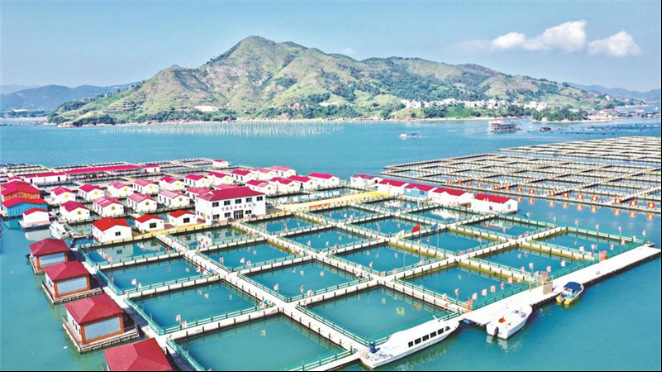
(416, 228)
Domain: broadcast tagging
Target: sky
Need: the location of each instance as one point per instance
(107, 42)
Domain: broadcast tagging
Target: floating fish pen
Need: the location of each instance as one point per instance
(125, 253)
(344, 214)
(391, 226)
(326, 238)
(251, 255)
(451, 242)
(385, 258)
(510, 227)
(281, 224)
(212, 237)
(443, 215)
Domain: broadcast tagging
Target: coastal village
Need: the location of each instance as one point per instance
(113, 228)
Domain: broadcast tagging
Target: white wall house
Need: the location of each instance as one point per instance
(119, 190)
(284, 185)
(220, 163)
(217, 178)
(262, 186)
(391, 187)
(364, 180)
(283, 171)
(45, 178)
(60, 195)
(325, 179)
(90, 192)
(263, 174)
(446, 196)
(108, 207)
(196, 180)
(182, 218)
(194, 192)
(141, 203)
(147, 187)
(494, 204)
(111, 229)
(173, 199)
(149, 223)
(305, 183)
(237, 203)
(151, 168)
(73, 211)
(171, 183)
(242, 175)
(35, 216)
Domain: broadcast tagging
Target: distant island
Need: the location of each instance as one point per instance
(259, 79)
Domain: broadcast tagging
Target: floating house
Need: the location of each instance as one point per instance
(283, 171)
(194, 192)
(263, 174)
(16, 206)
(93, 319)
(147, 187)
(182, 218)
(119, 190)
(264, 187)
(144, 355)
(60, 195)
(90, 192)
(217, 178)
(391, 187)
(446, 196)
(47, 178)
(149, 223)
(108, 207)
(111, 229)
(173, 199)
(325, 179)
(66, 279)
(151, 168)
(141, 203)
(237, 203)
(416, 190)
(494, 204)
(73, 211)
(305, 183)
(284, 185)
(35, 217)
(219, 163)
(242, 175)
(364, 180)
(18, 190)
(196, 180)
(171, 183)
(48, 252)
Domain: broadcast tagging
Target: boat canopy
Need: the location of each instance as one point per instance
(574, 286)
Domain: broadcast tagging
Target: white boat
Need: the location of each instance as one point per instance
(409, 135)
(58, 230)
(502, 127)
(509, 321)
(409, 341)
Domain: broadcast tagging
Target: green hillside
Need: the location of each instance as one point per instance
(258, 78)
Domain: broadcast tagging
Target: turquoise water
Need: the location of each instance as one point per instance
(583, 242)
(385, 257)
(277, 225)
(298, 279)
(194, 304)
(345, 149)
(395, 205)
(444, 216)
(344, 214)
(326, 239)
(376, 312)
(247, 255)
(126, 252)
(259, 346)
(210, 237)
(449, 241)
(390, 226)
(503, 226)
(151, 273)
(531, 261)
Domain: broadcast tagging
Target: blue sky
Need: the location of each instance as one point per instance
(103, 42)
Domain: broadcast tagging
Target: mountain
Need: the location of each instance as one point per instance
(621, 93)
(259, 78)
(11, 88)
(50, 97)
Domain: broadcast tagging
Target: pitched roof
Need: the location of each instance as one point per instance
(105, 201)
(16, 201)
(195, 177)
(61, 190)
(281, 168)
(45, 174)
(179, 213)
(419, 186)
(106, 223)
(168, 179)
(88, 187)
(139, 356)
(217, 174)
(241, 172)
(197, 190)
(34, 210)
(48, 246)
(364, 176)
(493, 198)
(258, 183)
(147, 217)
(325, 176)
(137, 197)
(143, 182)
(299, 178)
(170, 194)
(93, 308)
(238, 192)
(65, 271)
(72, 205)
(225, 187)
(19, 186)
(220, 161)
(117, 185)
(280, 180)
(454, 192)
(392, 182)
(261, 170)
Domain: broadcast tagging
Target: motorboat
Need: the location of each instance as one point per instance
(407, 342)
(571, 292)
(409, 135)
(509, 321)
(58, 230)
(502, 127)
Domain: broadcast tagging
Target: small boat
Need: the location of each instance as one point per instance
(409, 135)
(545, 129)
(509, 322)
(571, 292)
(502, 127)
(58, 230)
(407, 342)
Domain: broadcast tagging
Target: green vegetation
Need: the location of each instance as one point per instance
(258, 78)
(560, 115)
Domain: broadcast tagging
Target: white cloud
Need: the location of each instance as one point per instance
(569, 36)
(511, 40)
(621, 44)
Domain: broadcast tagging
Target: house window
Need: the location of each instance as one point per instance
(214, 204)
(248, 200)
(187, 220)
(259, 198)
(152, 225)
(118, 233)
(237, 201)
(228, 215)
(227, 202)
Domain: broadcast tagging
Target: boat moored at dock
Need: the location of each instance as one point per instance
(509, 321)
(571, 292)
(409, 341)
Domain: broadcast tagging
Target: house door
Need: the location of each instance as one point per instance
(238, 215)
